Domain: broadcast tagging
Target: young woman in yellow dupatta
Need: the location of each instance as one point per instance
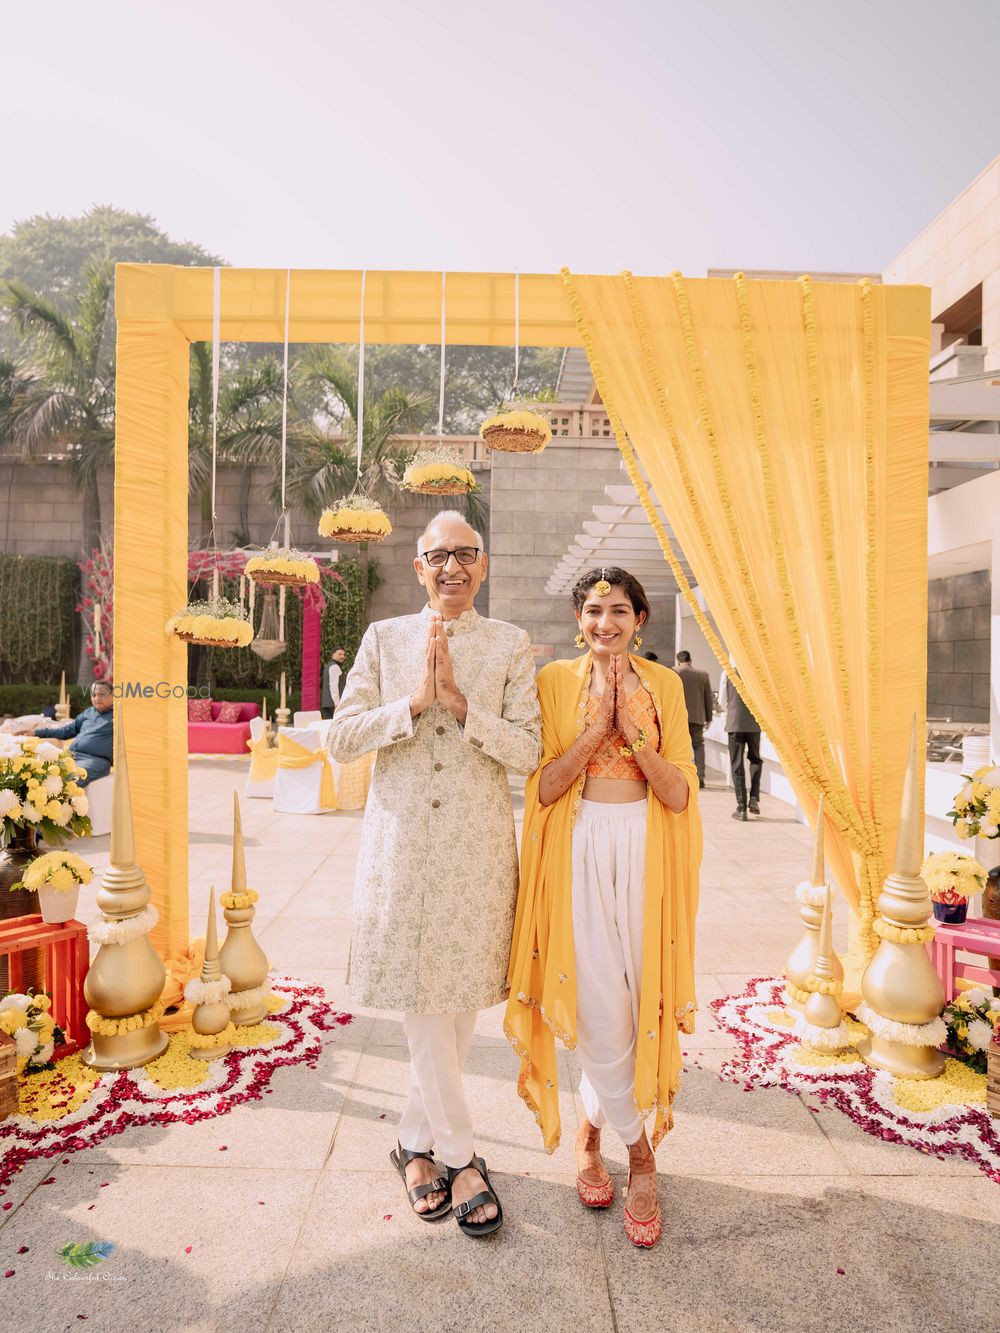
(603, 948)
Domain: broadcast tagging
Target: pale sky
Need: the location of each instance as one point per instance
(602, 134)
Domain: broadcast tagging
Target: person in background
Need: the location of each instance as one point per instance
(743, 730)
(651, 657)
(90, 733)
(332, 676)
(700, 706)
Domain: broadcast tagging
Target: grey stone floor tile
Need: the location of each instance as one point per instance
(762, 1253)
(362, 1263)
(241, 1231)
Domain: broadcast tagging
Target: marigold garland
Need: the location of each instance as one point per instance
(823, 985)
(205, 1041)
(885, 930)
(237, 901)
(117, 1027)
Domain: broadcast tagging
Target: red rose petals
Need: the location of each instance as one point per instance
(841, 1272)
(387, 1217)
(187, 1249)
(23, 1249)
(764, 1060)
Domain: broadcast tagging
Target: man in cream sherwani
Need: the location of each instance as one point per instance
(448, 700)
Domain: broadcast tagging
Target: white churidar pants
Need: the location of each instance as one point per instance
(609, 879)
(435, 1115)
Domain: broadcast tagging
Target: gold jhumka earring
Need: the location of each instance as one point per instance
(637, 642)
(580, 641)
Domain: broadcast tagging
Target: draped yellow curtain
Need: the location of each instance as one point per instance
(783, 427)
(151, 507)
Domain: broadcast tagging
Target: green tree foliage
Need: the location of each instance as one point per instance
(50, 255)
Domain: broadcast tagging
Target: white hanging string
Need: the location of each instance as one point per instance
(284, 390)
(360, 414)
(216, 328)
(517, 333)
(444, 277)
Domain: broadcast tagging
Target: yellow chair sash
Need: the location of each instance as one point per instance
(293, 755)
(263, 760)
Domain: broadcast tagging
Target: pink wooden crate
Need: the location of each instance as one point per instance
(976, 935)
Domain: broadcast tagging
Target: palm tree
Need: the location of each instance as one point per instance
(16, 384)
(72, 402)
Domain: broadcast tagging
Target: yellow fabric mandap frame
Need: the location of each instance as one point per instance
(161, 309)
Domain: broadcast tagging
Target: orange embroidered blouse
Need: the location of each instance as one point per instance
(606, 762)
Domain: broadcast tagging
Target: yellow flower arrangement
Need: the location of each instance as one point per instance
(976, 810)
(26, 1018)
(516, 432)
(117, 1027)
(282, 567)
(355, 519)
(438, 472)
(60, 870)
(38, 789)
(950, 876)
(219, 623)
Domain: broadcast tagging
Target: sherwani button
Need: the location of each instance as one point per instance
(435, 804)
(439, 730)
(438, 768)
(477, 743)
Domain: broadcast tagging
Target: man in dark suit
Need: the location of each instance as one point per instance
(700, 706)
(744, 736)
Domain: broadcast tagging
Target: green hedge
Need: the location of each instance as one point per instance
(38, 621)
(20, 699)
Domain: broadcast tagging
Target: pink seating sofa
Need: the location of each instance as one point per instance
(222, 737)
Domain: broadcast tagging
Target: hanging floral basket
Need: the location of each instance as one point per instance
(281, 567)
(218, 623)
(355, 519)
(438, 472)
(516, 432)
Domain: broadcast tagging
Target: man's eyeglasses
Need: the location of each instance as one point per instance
(465, 555)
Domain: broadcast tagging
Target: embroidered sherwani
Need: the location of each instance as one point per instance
(437, 871)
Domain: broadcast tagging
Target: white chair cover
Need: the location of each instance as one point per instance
(262, 789)
(303, 718)
(99, 794)
(296, 790)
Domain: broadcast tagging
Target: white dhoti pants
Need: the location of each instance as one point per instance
(435, 1115)
(609, 884)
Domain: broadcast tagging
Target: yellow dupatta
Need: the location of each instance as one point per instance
(542, 973)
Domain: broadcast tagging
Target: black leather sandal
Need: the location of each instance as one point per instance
(488, 1195)
(400, 1157)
